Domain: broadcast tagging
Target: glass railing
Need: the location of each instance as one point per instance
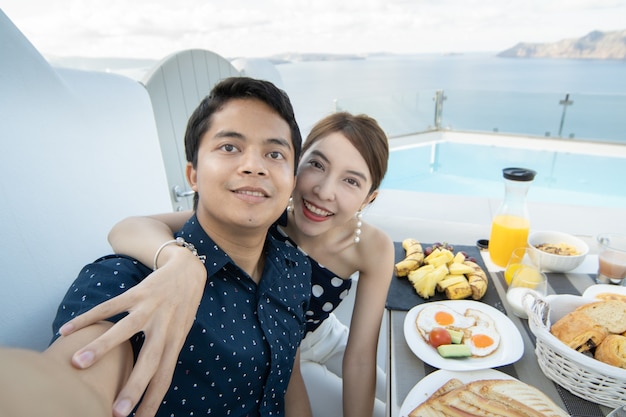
(591, 117)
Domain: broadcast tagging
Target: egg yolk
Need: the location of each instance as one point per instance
(443, 318)
(481, 340)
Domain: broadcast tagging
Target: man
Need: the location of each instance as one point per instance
(242, 146)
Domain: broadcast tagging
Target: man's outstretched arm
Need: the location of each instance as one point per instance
(46, 383)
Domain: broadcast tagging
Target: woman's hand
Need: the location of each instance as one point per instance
(163, 306)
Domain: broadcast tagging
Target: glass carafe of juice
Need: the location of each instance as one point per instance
(511, 224)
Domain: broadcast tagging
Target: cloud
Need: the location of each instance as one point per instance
(156, 28)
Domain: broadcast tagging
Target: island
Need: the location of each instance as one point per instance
(594, 45)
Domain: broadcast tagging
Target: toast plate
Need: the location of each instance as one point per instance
(432, 382)
(511, 346)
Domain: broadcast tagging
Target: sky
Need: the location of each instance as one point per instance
(154, 29)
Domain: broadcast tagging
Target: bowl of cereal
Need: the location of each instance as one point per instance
(556, 251)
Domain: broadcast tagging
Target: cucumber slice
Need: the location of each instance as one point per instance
(457, 337)
(454, 351)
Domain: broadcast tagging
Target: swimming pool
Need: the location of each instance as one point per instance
(563, 176)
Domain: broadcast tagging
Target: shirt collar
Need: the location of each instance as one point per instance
(216, 258)
(193, 233)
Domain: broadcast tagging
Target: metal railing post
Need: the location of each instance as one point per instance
(439, 98)
(566, 102)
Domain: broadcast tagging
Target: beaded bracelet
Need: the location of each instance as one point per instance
(180, 242)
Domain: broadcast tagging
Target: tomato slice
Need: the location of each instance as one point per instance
(439, 336)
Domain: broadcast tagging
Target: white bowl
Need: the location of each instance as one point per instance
(552, 262)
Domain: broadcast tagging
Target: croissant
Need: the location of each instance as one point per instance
(579, 332)
(612, 350)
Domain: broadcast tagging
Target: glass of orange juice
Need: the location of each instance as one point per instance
(515, 262)
(519, 259)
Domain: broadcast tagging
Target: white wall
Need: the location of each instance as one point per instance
(78, 152)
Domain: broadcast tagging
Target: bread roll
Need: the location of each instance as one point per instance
(579, 331)
(609, 313)
(612, 351)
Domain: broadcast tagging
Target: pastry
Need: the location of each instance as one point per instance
(579, 331)
(612, 350)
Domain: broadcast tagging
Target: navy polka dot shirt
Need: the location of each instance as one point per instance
(327, 289)
(238, 356)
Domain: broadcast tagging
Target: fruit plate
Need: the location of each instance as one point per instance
(432, 382)
(402, 296)
(511, 346)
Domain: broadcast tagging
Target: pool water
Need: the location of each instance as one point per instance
(474, 169)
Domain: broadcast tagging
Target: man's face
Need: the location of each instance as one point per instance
(244, 175)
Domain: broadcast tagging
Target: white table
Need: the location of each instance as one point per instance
(404, 369)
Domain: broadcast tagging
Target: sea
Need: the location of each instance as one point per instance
(483, 92)
(479, 92)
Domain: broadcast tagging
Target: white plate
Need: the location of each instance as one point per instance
(593, 290)
(432, 382)
(511, 344)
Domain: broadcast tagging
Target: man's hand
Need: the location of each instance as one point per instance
(163, 306)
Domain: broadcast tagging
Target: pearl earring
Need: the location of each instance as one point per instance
(290, 205)
(359, 223)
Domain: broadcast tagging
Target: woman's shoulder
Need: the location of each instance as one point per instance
(375, 246)
(376, 237)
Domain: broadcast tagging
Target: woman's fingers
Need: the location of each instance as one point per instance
(109, 308)
(157, 389)
(148, 362)
(163, 306)
(154, 369)
(119, 333)
(172, 342)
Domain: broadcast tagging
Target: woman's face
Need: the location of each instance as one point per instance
(332, 185)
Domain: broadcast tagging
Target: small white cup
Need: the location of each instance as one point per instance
(528, 283)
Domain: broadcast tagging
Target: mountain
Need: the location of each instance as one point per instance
(595, 45)
(302, 57)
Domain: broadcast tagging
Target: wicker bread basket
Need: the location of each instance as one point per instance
(579, 373)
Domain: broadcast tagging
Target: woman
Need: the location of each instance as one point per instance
(344, 160)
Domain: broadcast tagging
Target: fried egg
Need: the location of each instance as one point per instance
(482, 338)
(438, 315)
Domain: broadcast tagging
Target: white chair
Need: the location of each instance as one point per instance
(176, 86)
(79, 152)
